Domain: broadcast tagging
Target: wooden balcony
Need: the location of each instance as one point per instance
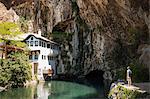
(49, 72)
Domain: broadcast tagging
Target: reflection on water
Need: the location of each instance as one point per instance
(54, 90)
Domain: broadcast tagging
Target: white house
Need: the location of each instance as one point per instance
(43, 54)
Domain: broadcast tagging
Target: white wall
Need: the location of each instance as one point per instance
(43, 63)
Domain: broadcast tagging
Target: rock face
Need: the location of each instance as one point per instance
(144, 51)
(8, 15)
(105, 33)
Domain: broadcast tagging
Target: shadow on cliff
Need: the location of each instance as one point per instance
(95, 77)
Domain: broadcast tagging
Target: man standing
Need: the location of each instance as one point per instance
(129, 72)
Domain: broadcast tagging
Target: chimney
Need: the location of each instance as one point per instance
(39, 32)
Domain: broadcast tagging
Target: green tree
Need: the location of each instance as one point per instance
(15, 70)
(8, 31)
(5, 74)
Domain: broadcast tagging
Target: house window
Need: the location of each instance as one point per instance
(42, 57)
(30, 57)
(27, 42)
(52, 47)
(36, 57)
(42, 44)
(48, 45)
(36, 43)
(50, 58)
(39, 43)
(53, 58)
(57, 48)
(31, 38)
(31, 43)
(49, 63)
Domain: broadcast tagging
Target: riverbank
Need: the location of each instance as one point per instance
(144, 86)
(123, 91)
(28, 83)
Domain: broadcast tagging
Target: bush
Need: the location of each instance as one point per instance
(120, 74)
(5, 74)
(15, 70)
(140, 72)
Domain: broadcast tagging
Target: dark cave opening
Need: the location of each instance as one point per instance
(95, 77)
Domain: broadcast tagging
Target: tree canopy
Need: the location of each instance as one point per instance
(15, 69)
(8, 31)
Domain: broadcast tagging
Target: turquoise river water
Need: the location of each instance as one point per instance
(55, 90)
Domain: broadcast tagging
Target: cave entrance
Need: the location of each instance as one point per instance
(95, 77)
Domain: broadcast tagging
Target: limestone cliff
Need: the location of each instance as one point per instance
(105, 34)
(7, 15)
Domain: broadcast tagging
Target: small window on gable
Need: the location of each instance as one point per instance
(32, 38)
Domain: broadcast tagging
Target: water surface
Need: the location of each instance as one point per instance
(55, 90)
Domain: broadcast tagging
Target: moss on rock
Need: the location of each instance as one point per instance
(122, 92)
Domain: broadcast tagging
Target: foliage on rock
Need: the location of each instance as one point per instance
(140, 71)
(23, 24)
(121, 92)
